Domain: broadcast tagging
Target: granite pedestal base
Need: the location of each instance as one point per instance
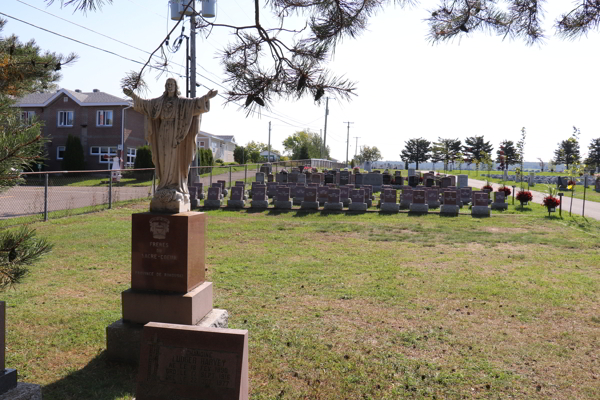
(284, 205)
(499, 206)
(213, 203)
(433, 204)
(390, 207)
(8, 378)
(404, 205)
(448, 209)
(123, 339)
(322, 201)
(298, 201)
(357, 207)
(334, 206)
(259, 204)
(23, 391)
(236, 203)
(309, 205)
(185, 309)
(419, 208)
(480, 211)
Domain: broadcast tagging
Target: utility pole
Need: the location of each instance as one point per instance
(269, 157)
(348, 141)
(356, 149)
(192, 80)
(325, 130)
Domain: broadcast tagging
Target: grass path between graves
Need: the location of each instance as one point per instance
(339, 306)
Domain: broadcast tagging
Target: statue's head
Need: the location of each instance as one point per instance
(171, 87)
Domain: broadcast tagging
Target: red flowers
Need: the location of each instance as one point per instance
(488, 187)
(551, 202)
(524, 196)
(506, 191)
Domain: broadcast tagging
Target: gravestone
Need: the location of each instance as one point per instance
(301, 179)
(387, 179)
(260, 177)
(453, 180)
(282, 200)
(344, 178)
(562, 183)
(505, 175)
(463, 181)
(322, 193)
(293, 176)
(406, 198)
(333, 200)
(345, 196)
(413, 181)
(429, 182)
(532, 179)
(270, 178)
(499, 201)
(224, 190)
(480, 205)
(214, 198)
(466, 195)
(190, 362)
(8, 377)
(266, 168)
(298, 195)
(368, 195)
(450, 206)
(259, 197)
(357, 196)
(236, 199)
(411, 172)
(597, 186)
(432, 197)
(398, 180)
(199, 194)
(316, 178)
(271, 189)
(446, 182)
(282, 177)
(329, 179)
(310, 199)
(389, 201)
(419, 205)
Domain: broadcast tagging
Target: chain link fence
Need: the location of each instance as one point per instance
(55, 194)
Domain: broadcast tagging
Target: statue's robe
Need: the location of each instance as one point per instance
(172, 124)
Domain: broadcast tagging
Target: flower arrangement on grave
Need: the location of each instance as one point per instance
(506, 190)
(356, 170)
(571, 183)
(314, 170)
(421, 179)
(524, 196)
(550, 202)
(488, 187)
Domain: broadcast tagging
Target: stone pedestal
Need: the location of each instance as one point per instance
(23, 391)
(8, 380)
(499, 206)
(175, 206)
(285, 205)
(419, 208)
(480, 211)
(309, 205)
(357, 207)
(213, 203)
(298, 201)
(334, 206)
(449, 209)
(259, 204)
(236, 203)
(390, 207)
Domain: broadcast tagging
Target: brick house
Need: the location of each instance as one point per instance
(95, 117)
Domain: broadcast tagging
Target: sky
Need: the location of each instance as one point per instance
(405, 86)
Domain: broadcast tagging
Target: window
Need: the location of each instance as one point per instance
(214, 145)
(27, 116)
(131, 153)
(104, 153)
(65, 118)
(65, 99)
(94, 150)
(201, 144)
(60, 152)
(104, 118)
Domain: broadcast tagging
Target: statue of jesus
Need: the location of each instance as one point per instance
(172, 123)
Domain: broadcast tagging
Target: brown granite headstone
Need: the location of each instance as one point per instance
(357, 195)
(167, 251)
(480, 199)
(450, 197)
(310, 194)
(432, 196)
(389, 196)
(237, 193)
(333, 196)
(187, 362)
(214, 193)
(283, 193)
(344, 193)
(419, 196)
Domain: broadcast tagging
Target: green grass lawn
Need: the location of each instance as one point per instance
(339, 306)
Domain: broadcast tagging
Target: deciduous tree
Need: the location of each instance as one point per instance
(310, 140)
(369, 154)
(416, 150)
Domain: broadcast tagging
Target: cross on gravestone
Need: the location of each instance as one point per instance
(418, 196)
(480, 199)
(310, 194)
(450, 197)
(237, 193)
(283, 193)
(214, 193)
(357, 196)
(389, 196)
(259, 193)
(333, 196)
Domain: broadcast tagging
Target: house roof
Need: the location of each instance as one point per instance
(96, 98)
(225, 138)
(266, 153)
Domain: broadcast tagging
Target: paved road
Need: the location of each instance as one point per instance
(592, 209)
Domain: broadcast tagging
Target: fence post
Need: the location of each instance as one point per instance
(245, 174)
(230, 177)
(45, 197)
(210, 179)
(109, 190)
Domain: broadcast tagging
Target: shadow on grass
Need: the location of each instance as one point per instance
(100, 379)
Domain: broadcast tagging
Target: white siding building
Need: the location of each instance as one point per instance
(222, 146)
